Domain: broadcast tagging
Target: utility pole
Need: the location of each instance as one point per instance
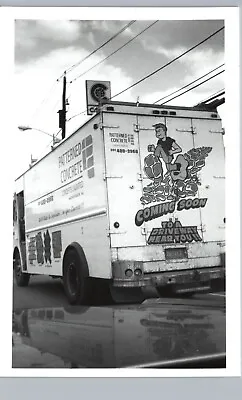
(64, 107)
(62, 113)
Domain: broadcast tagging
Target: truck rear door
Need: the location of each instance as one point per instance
(159, 185)
(212, 178)
(124, 186)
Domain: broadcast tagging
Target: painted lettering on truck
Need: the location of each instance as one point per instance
(82, 154)
(149, 213)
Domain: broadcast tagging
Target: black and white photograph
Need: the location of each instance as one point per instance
(119, 211)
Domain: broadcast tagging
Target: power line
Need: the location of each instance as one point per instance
(149, 75)
(178, 90)
(201, 83)
(83, 112)
(125, 44)
(76, 115)
(169, 63)
(55, 105)
(213, 96)
(100, 47)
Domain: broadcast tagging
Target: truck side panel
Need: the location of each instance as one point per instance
(46, 247)
(65, 202)
(67, 182)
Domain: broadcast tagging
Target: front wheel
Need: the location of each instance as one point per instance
(76, 284)
(22, 279)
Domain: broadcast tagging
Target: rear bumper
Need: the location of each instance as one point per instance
(201, 275)
(182, 280)
(202, 265)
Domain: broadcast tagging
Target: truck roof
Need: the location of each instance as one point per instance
(199, 107)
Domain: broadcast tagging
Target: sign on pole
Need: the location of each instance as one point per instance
(96, 92)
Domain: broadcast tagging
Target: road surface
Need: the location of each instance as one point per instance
(48, 292)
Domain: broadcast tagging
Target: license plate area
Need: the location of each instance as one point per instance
(176, 253)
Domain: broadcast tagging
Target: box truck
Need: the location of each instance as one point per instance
(133, 198)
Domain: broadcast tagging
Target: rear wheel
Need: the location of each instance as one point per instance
(76, 284)
(22, 279)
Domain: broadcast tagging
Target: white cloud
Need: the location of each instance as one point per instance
(169, 53)
(150, 45)
(23, 37)
(91, 38)
(198, 60)
(62, 30)
(44, 29)
(202, 61)
(154, 96)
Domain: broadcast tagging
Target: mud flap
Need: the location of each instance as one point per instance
(126, 295)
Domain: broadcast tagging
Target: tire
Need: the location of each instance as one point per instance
(22, 279)
(76, 284)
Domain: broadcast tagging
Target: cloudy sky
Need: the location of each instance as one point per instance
(44, 49)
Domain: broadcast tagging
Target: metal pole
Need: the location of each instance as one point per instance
(64, 107)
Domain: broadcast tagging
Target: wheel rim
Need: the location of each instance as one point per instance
(73, 279)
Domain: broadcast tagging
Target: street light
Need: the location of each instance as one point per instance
(27, 128)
